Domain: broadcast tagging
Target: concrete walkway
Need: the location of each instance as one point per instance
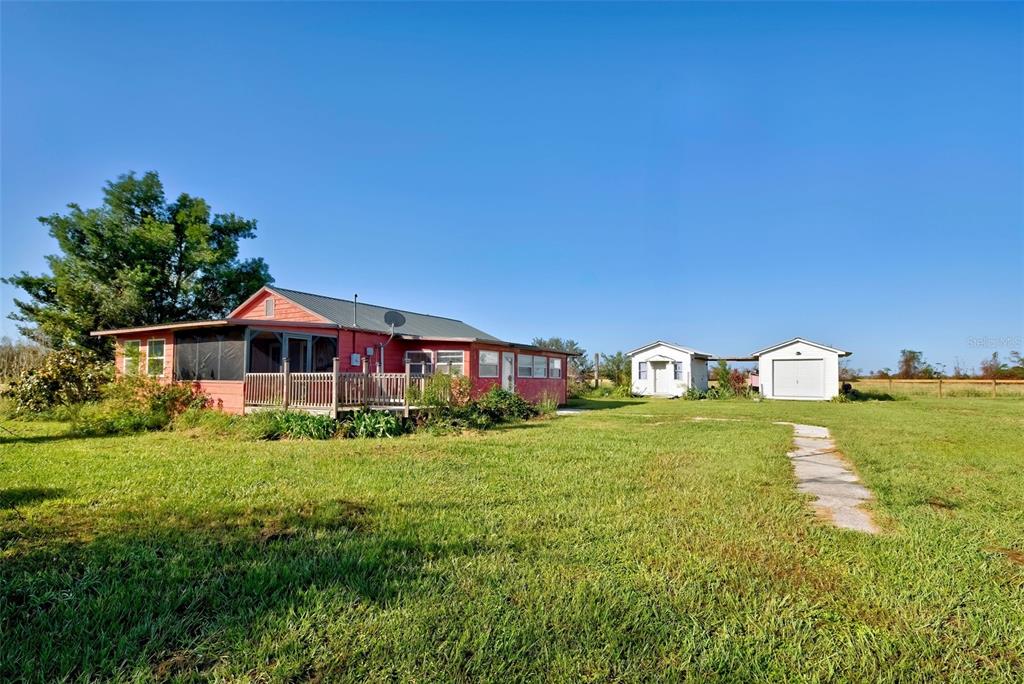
(570, 411)
(821, 472)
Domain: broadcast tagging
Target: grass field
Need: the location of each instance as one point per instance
(627, 543)
(950, 388)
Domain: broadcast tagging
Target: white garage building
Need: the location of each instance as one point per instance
(668, 370)
(799, 369)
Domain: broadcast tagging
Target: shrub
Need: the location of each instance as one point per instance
(498, 405)
(271, 425)
(548, 405)
(738, 383)
(134, 404)
(65, 377)
(693, 394)
(374, 424)
(444, 390)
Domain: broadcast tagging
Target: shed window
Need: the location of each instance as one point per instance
(677, 370)
(451, 362)
(540, 366)
(525, 366)
(419, 362)
(642, 370)
(488, 364)
(155, 357)
(131, 354)
(555, 368)
(268, 307)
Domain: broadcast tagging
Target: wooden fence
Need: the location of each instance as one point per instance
(942, 386)
(334, 391)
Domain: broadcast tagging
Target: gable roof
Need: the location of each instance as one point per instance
(678, 347)
(805, 341)
(371, 317)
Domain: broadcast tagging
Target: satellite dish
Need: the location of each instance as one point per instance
(394, 319)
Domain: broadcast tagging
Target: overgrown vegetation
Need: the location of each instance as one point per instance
(17, 357)
(133, 404)
(449, 407)
(61, 378)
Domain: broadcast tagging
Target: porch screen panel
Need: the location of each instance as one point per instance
(324, 351)
(210, 354)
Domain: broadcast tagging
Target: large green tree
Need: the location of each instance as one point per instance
(136, 260)
(581, 365)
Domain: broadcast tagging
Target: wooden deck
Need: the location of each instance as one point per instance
(332, 393)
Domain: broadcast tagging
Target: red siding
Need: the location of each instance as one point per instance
(531, 389)
(225, 395)
(144, 338)
(284, 310)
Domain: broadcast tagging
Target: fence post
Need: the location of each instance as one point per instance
(597, 370)
(335, 385)
(286, 392)
(890, 385)
(993, 388)
(366, 382)
(940, 388)
(408, 387)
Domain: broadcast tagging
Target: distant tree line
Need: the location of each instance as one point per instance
(912, 365)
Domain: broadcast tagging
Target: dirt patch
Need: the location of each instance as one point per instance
(176, 665)
(942, 504)
(1013, 555)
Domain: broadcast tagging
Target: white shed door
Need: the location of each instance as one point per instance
(798, 378)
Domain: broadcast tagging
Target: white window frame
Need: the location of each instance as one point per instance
(520, 358)
(543, 367)
(125, 357)
(150, 357)
(482, 364)
(426, 367)
(641, 370)
(268, 307)
(554, 368)
(677, 370)
(448, 365)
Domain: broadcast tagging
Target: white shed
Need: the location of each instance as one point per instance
(667, 369)
(799, 369)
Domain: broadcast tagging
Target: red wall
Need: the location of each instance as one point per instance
(531, 389)
(228, 394)
(143, 338)
(225, 395)
(284, 310)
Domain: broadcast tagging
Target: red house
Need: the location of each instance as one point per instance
(279, 347)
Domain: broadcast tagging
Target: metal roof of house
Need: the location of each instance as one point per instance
(371, 317)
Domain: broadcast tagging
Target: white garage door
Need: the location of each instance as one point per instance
(799, 378)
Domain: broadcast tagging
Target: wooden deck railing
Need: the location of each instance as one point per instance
(331, 391)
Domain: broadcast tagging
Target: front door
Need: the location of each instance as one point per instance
(298, 348)
(508, 371)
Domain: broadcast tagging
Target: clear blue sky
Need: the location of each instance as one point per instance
(608, 172)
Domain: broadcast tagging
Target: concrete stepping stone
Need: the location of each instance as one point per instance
(822, 473)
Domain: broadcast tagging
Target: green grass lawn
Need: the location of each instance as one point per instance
(627, 543)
